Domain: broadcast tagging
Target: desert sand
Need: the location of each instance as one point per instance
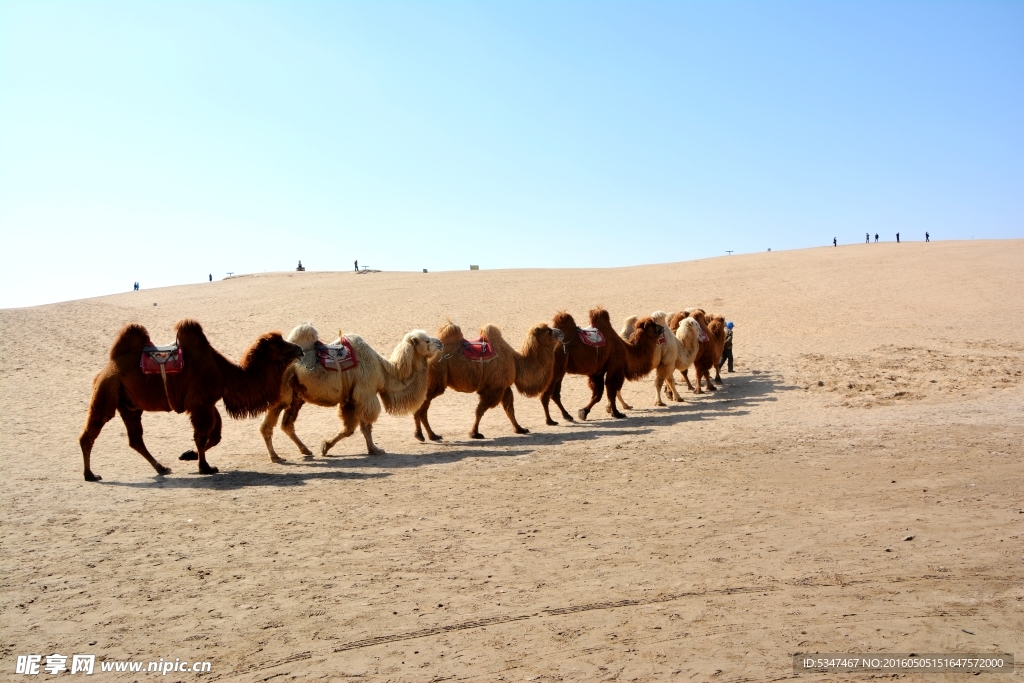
(877, 397)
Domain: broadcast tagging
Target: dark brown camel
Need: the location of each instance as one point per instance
(612, 364)
(710, 350)
(529, 371)
(206, 377)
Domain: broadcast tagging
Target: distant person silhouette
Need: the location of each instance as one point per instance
(867, 238)
(834, 243)
(897, 238)
(927, 237)
(357, 265)
(211, 277)
(876, 238)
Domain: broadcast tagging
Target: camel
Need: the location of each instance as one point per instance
(529, 370)
(710, 351)
(611, 364)
(718, 331)
(690, 335)
(676, 352)
(401, 382)
(205, 377)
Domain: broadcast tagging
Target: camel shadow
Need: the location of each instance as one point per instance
(241, 479)
(403, 460)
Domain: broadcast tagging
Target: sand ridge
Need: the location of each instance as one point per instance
(709, 540)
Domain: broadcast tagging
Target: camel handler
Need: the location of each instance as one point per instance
(727, 349)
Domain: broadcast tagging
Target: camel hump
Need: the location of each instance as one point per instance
(564, 321)
(676, 319)
(305, 335)
(450, 333)
(628, 325)
(600, 319)
(492, 334)
(132, 337)
(190, 334)
(660, 317)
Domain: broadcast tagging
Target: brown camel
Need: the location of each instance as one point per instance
(611, 364)
(206, 377)
(492, 379)
(710, 351)
(718, 334)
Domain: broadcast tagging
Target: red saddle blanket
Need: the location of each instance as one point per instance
(478, 349)
(591, 336)
(171, 358)
(335, 357)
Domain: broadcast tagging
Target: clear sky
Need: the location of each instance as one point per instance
(161, 142)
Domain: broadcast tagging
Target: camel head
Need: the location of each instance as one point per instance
(546, 336)
(272, 348)
(646, 328)
(415, 345)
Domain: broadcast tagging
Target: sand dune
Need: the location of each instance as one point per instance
(877, 396)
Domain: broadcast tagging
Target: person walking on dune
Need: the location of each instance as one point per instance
(727, 348)
(834, 243)
(357, 265)
(927, 237)
(867, 238)
(897, 238)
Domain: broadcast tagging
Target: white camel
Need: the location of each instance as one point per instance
(401, 382)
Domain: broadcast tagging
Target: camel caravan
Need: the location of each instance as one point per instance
(279, 374)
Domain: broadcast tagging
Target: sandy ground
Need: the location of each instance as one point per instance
(877, 396)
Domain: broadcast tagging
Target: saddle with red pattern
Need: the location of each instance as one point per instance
(591, 336)
(479, 350)
(159, 360)
(336, 357)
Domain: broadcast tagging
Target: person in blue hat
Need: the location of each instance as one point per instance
(727, 349)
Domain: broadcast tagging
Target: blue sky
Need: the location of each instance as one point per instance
(161, 142)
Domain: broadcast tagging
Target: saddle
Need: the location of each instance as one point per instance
(336, 357)
(479, 350)
(163, 361)
(591, 336)
(160, 360)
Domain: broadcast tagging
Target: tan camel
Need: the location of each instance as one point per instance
(688, 331)
(675, 353)
(401, 382)
(529, 370)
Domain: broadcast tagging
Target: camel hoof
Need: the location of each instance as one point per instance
(163, 470)
(568, 418)
(660, 404)
(189, 455)
(550, 422)
(376, 451)
(277, 458)
(89, 476)
(522, 430)
(419, 437)
(305, 451)
(324, 447)
(618, 416)
(476, 435)
(209, 469)
(583, 413)
(436, 437)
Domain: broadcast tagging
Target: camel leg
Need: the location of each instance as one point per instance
(288, 424)
(707, 378)
(102, 408)
(658, 381)
(670, 384)
(696, 387)
(596, 382)
(206, 426)
(507, 399)
(488, 399)
(420, 416)
(132, 419)
(267, 431)
(625, 406)
(686, 376)
(367, 429)
(718, 372)
(554, 392)
(614, 383)
(347, 413)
